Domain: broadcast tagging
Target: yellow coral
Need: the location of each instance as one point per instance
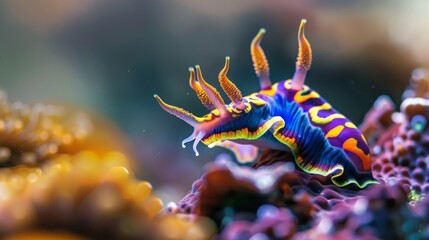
(76, 190)
(60, 171)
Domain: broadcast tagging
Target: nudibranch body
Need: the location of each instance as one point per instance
(286, 116)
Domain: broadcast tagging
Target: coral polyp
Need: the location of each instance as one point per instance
(287, 116)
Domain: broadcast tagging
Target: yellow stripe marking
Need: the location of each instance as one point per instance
(287, 84)
(271, 91)
(208, 117)
(319, 120)
(350, 125)
(334, 132)
(299, 98)
(244, 133)
(364, 139)
(288, 141)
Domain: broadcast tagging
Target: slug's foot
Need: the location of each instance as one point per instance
(271, 156)
(244, 153)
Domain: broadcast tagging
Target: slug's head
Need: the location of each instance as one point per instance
(243, 119)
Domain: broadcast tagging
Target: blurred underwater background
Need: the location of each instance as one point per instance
(110, 57)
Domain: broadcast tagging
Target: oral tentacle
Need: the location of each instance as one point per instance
(196, 141)
(181, 113)
(211, 92)
(303, 61)
(188, 139)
